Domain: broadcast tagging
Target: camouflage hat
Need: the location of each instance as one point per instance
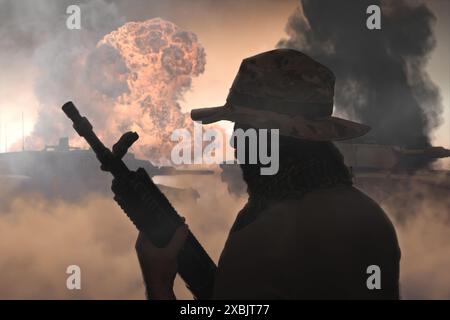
(287, 90)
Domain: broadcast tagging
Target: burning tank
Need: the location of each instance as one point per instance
(383, 171)
(379, 170)
(66, 172)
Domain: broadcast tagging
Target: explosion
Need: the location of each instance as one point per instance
(145, 68)
(130, 79)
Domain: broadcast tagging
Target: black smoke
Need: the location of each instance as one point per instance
(381, 75)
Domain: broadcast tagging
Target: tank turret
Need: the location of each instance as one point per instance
(69, 172)
(380, 170)
(362, 157)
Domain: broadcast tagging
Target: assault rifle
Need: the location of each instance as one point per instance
(149, 209)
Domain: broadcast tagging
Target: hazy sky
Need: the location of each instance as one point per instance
(229, 30)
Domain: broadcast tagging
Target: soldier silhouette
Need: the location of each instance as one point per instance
(306, 232)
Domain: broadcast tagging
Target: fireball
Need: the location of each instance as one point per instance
(141, 70)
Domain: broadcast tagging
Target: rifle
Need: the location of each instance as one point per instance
(151, 211)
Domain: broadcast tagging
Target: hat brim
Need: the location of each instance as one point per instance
(210, 115)
(323, 129)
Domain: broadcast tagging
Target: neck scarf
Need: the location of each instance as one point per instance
(320, 165)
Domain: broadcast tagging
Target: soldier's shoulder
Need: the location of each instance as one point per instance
(340, 206)
(334, 198)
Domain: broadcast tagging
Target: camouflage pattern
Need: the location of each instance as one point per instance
(287, 75)
(287, 90)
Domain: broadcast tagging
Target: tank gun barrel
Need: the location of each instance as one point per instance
(441, 152)
(166, 171)
(431, 152)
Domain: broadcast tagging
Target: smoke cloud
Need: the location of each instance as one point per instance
(39, 238)
(421, 216)
(122, 76)
(381, 76)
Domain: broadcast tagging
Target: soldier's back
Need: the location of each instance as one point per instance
(318, 246)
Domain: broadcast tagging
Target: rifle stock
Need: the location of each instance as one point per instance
(152, 214)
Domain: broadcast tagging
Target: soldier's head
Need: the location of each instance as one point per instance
(287, 91)
(284, 89)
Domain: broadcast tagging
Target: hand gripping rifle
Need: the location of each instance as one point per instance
(150, 211)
